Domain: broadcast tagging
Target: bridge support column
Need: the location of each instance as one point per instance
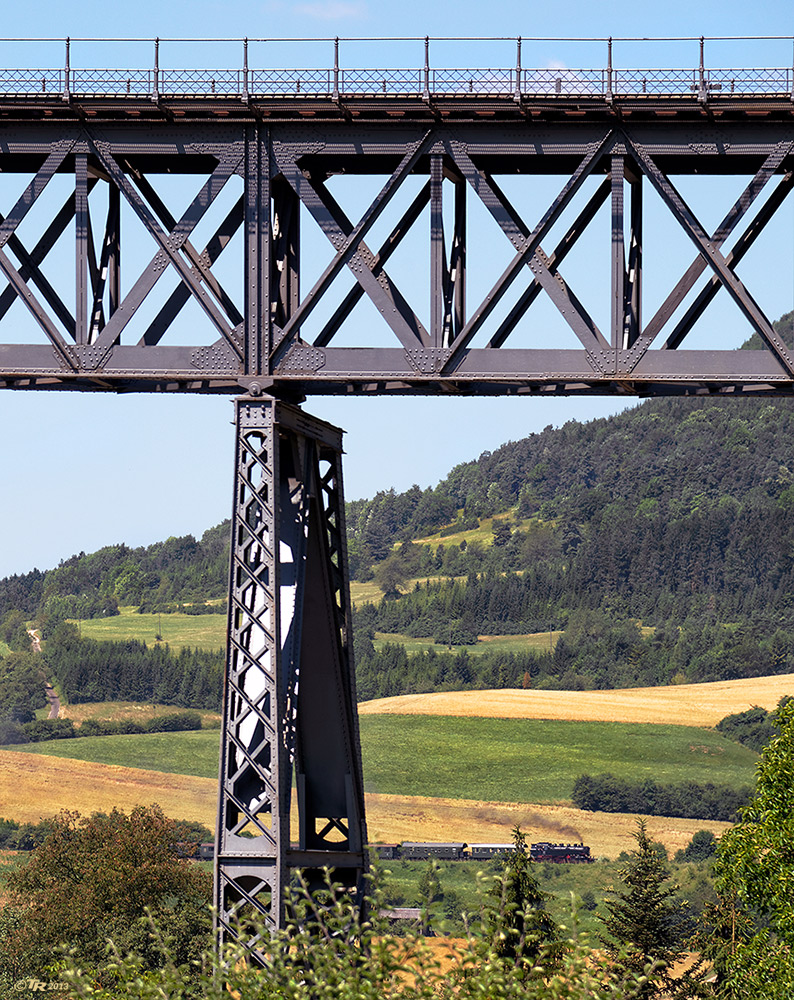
(289, 696)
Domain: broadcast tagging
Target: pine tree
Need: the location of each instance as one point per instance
(647, 935)
(519, 926)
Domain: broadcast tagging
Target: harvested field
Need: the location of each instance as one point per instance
(682, 704)
(393, 818)
(33, 786)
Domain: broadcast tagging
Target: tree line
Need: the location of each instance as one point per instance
(177, 571)
(41, 730)
(689, 799)
(597, 650)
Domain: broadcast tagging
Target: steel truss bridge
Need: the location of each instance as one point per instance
(438, 143)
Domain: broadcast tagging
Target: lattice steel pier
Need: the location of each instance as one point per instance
(289, 705)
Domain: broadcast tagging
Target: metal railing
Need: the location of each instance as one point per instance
(336, 81)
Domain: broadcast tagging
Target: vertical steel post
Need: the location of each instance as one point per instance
(335, 94)
(245, 71)
(67, 90)
(114, 259)
(609, 94)
(517, 91)
(289, 694)
(257, 313)
(156, 86)
(81, 248)
(458, 261)
(634, 292)
(618, 256)
(437, 252)
(426, 91)
(702, 73)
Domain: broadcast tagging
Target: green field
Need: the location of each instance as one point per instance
(536, 760)
(199, 631)
(209, 631)
(193, 752)
(538, 642)
(497, 760)
(483, 534)
(368, 592)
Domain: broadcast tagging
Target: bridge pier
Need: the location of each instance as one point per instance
(289, 692)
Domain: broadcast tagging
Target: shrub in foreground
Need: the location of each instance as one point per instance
(329, 951)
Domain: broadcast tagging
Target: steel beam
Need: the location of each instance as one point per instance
(289, 696)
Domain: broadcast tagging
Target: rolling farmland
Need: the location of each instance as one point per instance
(453, 765)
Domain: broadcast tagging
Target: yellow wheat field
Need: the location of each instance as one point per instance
(34, 786)
(681, 704)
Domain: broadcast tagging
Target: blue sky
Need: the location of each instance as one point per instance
(81, 471)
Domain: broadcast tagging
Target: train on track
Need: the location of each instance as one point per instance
(410, 850)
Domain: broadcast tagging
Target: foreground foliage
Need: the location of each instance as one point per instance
(752, 943)
(647, 926)
(333, 953)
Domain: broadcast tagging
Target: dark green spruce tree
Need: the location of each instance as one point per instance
(647, 929)
(519, 927)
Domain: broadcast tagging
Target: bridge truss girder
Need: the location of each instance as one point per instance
(259, 325)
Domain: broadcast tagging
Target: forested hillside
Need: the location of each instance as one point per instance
(677, 515)
(158, 577)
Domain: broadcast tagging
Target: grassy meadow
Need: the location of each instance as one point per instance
(470, 880)
(178, 630)
(536, 760)
(536, 641)
(192, 753)
(126, 711)
(483, 534)
(209, 631)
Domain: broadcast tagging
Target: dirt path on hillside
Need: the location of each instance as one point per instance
(49, 690)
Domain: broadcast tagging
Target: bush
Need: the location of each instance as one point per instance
(753, 728)
(176, 723)
(98, 878)
(12, 733)
(49, 729)
(701, 847)
(329, 951)
(608, 793)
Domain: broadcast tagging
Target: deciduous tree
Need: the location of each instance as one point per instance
(95, 879)
(754, 922)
